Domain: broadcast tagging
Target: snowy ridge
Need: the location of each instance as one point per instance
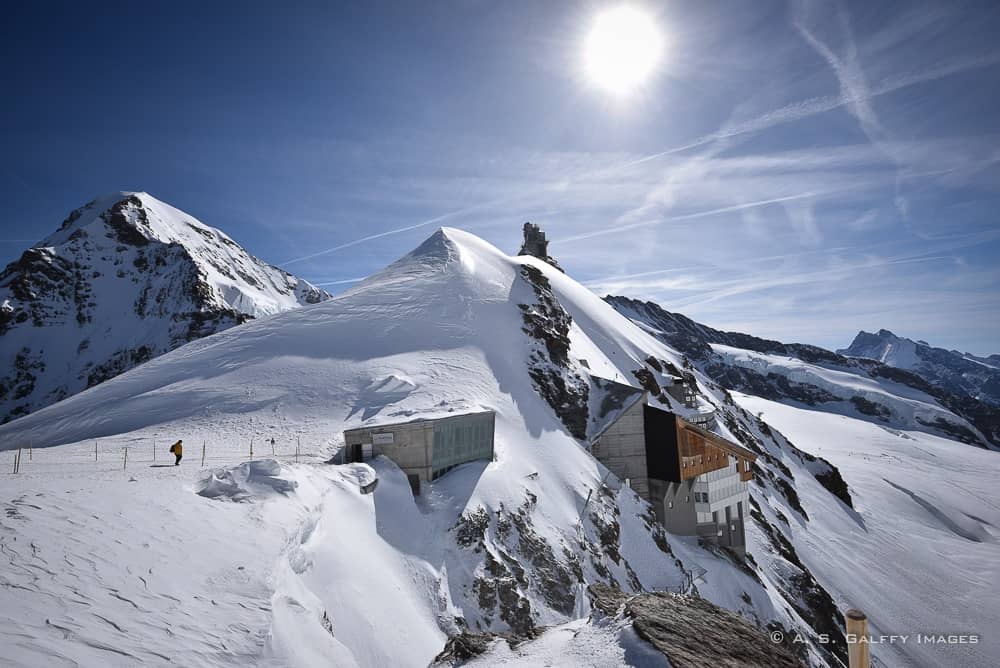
(858, 386)
(963, 373)
(124, 279)
(332, 574)
(902, 406)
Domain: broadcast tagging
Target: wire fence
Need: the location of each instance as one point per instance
(123, 454)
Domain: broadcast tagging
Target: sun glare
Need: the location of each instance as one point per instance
(622, 49)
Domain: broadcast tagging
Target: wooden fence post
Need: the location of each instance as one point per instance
(95, 451)
(203, 454)
(30, 441)
(154, 449)
(859, 651)
(297, 446)
(17, 460)
(125, 462)
(251, 448)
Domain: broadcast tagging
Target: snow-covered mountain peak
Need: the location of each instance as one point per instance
(885, 347)
(506, 545)
(977, 377)
(126, 277)
(133, 215)
(461, 265)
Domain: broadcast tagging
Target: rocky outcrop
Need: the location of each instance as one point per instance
(536, 245)
(554, 377)
(693, 633)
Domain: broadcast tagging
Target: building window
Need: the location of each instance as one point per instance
(687, 499)
(670, 504)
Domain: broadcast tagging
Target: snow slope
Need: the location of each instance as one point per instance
(923, 553)
(383, 578)
(124, 279)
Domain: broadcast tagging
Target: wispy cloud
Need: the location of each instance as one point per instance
(688, 216)
(387, 233)
(854, 89)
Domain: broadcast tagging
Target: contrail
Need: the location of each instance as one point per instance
(786, 114)
(819, 105)
(398, 230)
(340, 282)
(697, 214)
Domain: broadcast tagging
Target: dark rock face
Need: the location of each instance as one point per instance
(548, 323)
(465, 646)
(693, 633)
(647, 381)
(66, 294)
(835, 484)
(520, 566)
(871, 408)
(126, 231)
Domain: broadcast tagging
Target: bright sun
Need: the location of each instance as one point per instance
(622, 49)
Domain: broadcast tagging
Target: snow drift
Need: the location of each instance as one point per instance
(246, 482)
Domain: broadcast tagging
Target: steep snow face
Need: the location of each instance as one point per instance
(885, 347)
(956, 372)
(508, 545)
(124, 279)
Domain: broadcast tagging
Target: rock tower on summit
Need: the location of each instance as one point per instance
(536, 245)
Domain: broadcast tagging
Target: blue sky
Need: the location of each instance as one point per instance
(795, 170)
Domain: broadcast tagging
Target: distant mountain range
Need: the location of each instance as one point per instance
(956, 372)
(947, 392)
(124, 279)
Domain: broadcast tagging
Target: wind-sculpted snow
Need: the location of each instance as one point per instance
(124, 279)
(246, 482)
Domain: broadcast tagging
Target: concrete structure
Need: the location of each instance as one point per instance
(684, 392)
(695, 479)
(425, 449)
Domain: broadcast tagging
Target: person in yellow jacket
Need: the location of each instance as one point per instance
(177, 449)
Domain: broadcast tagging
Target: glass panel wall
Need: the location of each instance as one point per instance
(461, 440)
